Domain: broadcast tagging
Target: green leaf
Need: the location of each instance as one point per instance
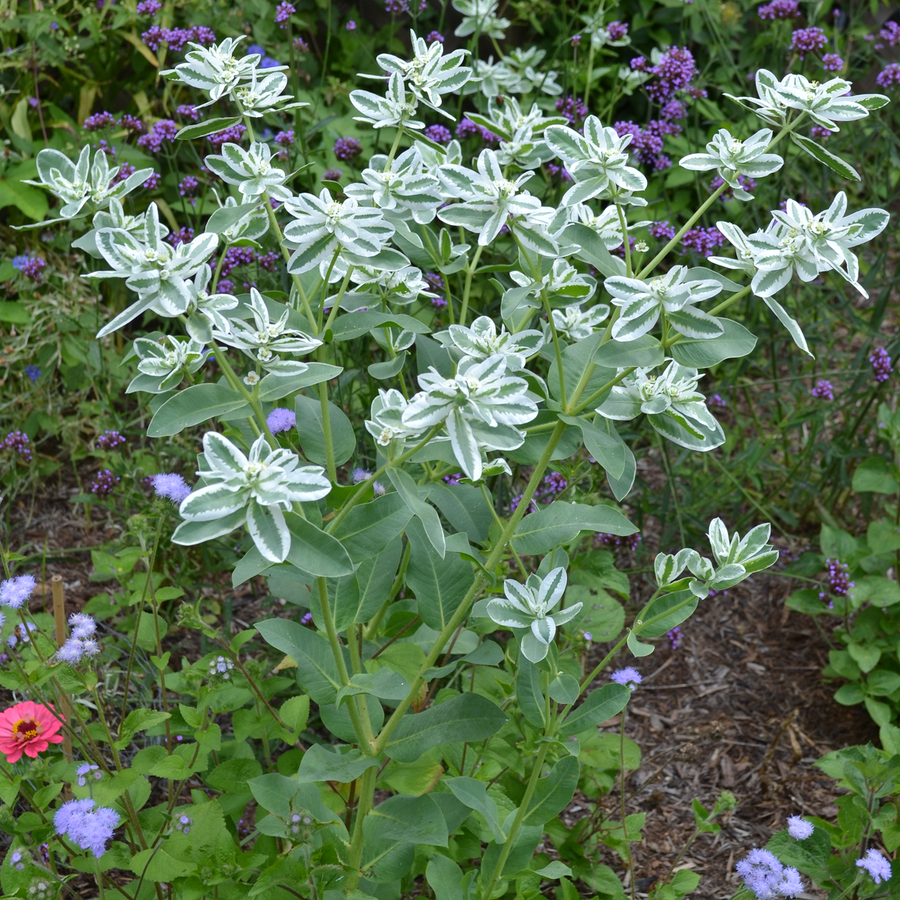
(193, 405)
(465, 509)
(274, 792)
(14, 313)
(554, 792)
(600, 705)
(294, 712)
(467, 717)
(701, 354)
(562, 522)
(417, 820)
(325, 763)
(661, 607)
(645, 351)
(222, 219)
(554, 871)
(564, 689)
(444, 878)
(528, 691)
(385, 684)
(315, 551)
(382, 371)
(311, 431)
(835, 163)
(427, 515)
(849, 695)
(474, 795)
(593, 250)
(29, 200)
(810, 856)
(317, 672)
(356, 324)
(202, 129)
(160, 864)
(369, 527)
(138, 720)
(439, 584)
(875, 474)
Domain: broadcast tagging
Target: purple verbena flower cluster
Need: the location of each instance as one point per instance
(889, 77)
(435, 36)
(82, 643)
(176, 38)
(704, 240)
(187, 111)
(148, 8)
(765, 875)
(674, 72)
(561, 171)
(283, 13)
(661, 230)
(110, 439)
(716, 401)
(617, 31)
(808, 40)
(402, 6)
(184, 235)
(104, 483)
(170, 486)
(347, 148)
(18, 442)
(831, 62)
(881, 364)
(573, 109)
(332, 174)
(839, 582)
(86, 824)
(188, 187)
(232, 135)
(889, 35)
(779, 9)
(30, 266)
(647, 142)
(125, 171)
(440, 134)
(99, 121)
(467, 128)
(614, 540)
(162, 132)
(823, 390)
(674, 636)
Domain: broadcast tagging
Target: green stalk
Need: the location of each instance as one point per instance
(517, 822)
(470, 271)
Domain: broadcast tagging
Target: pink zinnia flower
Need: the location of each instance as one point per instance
(28, 728)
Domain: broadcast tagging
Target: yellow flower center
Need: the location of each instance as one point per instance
(26, 730)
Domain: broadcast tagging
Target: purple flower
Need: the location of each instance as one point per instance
(283, 14)
(281, 419)
(332, 174)
(163, 132)
(617, 30)
(110, 439)
(184, 235)
(88, 827)
(32, 267)
(439, 134)
(84, 770)
(351, 25)
(716, 400)
(187, 111)
(232, 135)
(148, 7)
(171, 486)
(33, 372)
(188, 186)
(889, 35)
(824, 390)
(881, 364)
(15, 591)
(99, 121)
(346, 148)
(808, 40)
(662, 230)
(876, 865)
(152, 183)
(360, 475)
(890, 76)
(674, 72)
(82, 625)
(466, 128)
(183, 824)
(762, 873)
(435, 36)
(839, 582)
(104, 483)
(628, 676)
(799, 829)
(573, 109)
(18, 442)
(301, 45)
(780, 9)
(576, 41)
(703, 240)
(832, 62)
(674, 635)
(306, 618)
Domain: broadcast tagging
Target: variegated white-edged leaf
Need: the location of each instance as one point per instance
(789, 323)
(269, 531)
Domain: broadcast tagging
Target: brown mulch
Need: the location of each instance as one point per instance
(740, 706)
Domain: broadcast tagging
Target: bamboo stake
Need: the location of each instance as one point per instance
(59, 617)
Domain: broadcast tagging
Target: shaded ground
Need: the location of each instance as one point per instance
(739, 706)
